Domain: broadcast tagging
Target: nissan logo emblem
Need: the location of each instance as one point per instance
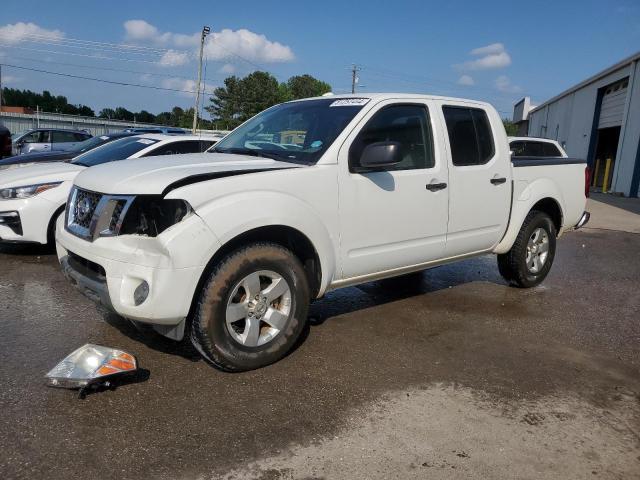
(83, 209)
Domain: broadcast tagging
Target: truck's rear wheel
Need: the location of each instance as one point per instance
(531, 256)
(252, 309)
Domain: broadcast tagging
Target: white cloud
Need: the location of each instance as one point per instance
(10, 80)
(491, 57)
(140, 30)
(187, 86)
(228, 68)
(173, 58)
(496, 60)
(493, 49)
(466, 80)
(143, 31)
(23, 32)
(504, 85)
(247, 44)
(219, 45)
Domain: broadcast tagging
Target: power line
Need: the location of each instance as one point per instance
(139, 72)
(75, 54)
(38, 38)
(101, 80)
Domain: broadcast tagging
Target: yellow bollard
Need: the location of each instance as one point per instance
(595, 173)
(605, 181)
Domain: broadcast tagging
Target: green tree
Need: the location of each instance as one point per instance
(107, 113)
(145, 117)
(241, 99)
(122, 113)
(510, 127)
(305, 86)
(44, 101)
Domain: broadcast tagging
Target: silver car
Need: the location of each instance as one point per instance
(47, 140)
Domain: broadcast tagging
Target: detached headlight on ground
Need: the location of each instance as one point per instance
(26, 191)
(91, 364)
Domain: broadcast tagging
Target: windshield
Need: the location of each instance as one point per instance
(293, 132)
(112, 151)
(89, 144)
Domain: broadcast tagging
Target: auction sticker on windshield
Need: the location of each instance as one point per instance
(350, 102)
(146, 141)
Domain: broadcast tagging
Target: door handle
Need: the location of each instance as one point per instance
(434, 187)
(498, 181)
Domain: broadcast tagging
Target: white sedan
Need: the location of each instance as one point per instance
(34, 196)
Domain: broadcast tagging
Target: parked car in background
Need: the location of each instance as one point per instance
(32, 197)
(47, 140)
(231, 246)
(165, 130)
(535, 147)
(62, 155)
(5, 142)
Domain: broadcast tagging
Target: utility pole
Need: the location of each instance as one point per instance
(354, 77)
(0, 87)
(205, 32)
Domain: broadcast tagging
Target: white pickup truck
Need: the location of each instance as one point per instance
(228, 248)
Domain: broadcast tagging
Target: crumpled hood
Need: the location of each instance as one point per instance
(32, 174)
(152, 175)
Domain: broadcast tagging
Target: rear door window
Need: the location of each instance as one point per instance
(517, 148)
(470, 135)
(550, 150)
(533, 149)
(63, 137)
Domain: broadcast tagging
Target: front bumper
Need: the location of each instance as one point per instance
(109, 270)
(584, 219)
(34, 215)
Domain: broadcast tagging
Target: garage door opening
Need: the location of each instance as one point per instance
(608, 133)
(605, 159)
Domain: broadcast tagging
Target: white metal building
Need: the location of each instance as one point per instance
(598, 119)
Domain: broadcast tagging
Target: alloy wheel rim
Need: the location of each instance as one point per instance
(258, 308)
(537, 250)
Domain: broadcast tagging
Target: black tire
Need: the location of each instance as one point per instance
(513, 264)
(209, 332)
(51, 230)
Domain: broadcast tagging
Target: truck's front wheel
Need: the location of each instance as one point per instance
(252, 309)
(531, 256)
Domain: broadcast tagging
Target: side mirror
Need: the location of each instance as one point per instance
(379, 155)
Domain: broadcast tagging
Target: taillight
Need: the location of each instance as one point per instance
(587, 181)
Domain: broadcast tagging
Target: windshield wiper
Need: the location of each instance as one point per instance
(254, 153)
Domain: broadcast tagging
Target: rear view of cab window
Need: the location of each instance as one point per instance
(470, 135)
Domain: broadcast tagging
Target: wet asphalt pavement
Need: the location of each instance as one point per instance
(577, 335)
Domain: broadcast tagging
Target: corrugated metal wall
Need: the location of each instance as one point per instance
(19, 122)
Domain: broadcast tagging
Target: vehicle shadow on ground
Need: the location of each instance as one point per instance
(149, 337)
(373, 294)
(339, 302)
(26, 249)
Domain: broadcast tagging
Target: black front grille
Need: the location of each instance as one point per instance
(84, 207)
(117, 212)
(87, 267)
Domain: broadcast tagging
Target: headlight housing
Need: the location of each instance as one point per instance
(150, 215)
(12, 193)
(91, 215)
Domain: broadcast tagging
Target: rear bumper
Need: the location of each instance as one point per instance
(584, 219)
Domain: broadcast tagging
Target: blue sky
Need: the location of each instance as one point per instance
(491, 50)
